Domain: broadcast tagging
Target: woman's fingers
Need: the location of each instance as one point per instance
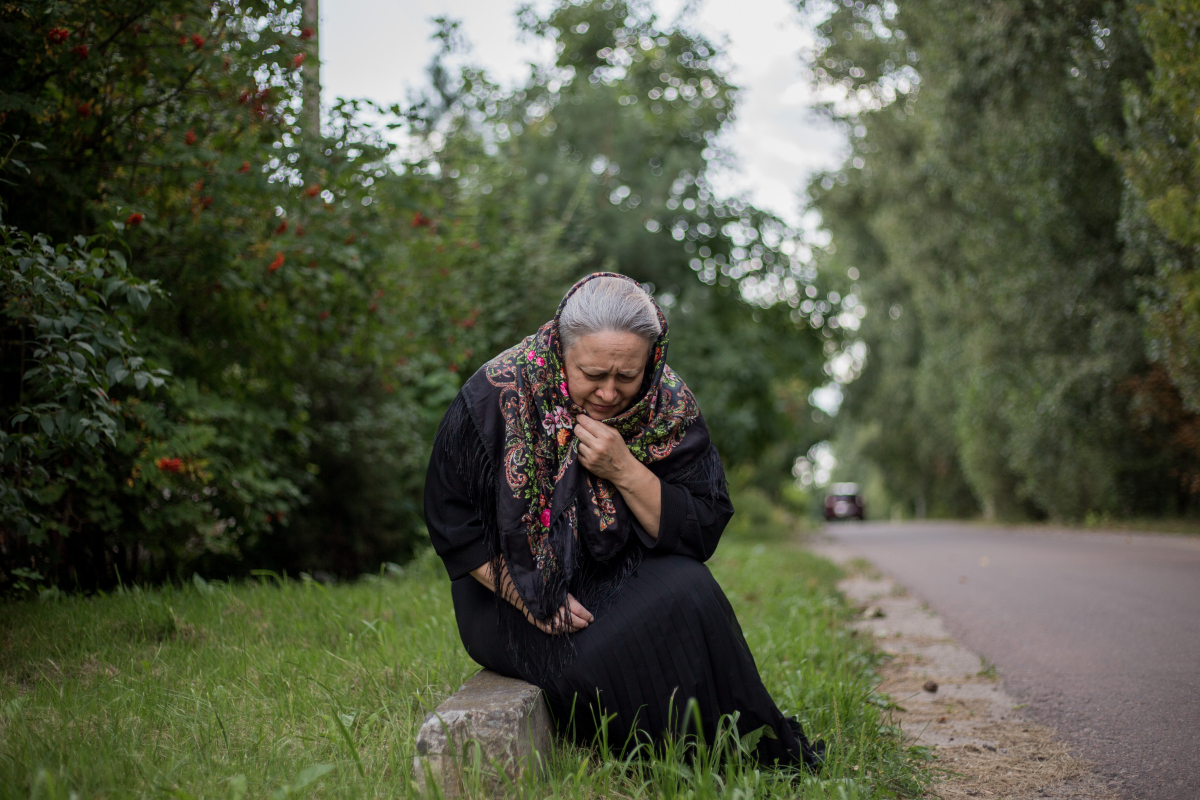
(572, 621)
(571, 617)
(578, 610)
(592, 432)
(590, 450)
(584, 435)
(587, 454)
(601, 448)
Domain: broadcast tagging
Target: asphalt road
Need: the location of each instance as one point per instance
(1099, 633)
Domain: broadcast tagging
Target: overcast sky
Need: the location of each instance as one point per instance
(378, 49)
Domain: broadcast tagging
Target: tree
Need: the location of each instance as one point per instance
(1161, 162)
(619, 135)
(312, 317)
(984, 218)
(323, 296)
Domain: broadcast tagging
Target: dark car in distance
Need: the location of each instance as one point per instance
(843, 501)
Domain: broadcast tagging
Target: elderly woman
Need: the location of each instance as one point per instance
(573, 494)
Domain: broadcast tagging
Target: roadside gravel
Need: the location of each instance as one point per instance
(949, 699)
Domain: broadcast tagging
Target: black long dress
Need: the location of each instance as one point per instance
(668, 636)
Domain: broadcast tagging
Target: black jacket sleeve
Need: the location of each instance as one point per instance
(695, 511)
(451, 513)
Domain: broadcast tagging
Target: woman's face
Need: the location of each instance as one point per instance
(604, 371)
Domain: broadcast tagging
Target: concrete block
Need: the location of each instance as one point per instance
(495, 722)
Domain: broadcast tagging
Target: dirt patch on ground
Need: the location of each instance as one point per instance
(950, 700)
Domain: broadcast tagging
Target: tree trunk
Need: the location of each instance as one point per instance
(310, 117)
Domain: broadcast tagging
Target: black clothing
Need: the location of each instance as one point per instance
(458, 481)
(665, 634)
(669, 636)
(551, 523)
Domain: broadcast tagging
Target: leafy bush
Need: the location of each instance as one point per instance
(323, 297)
(317, 304)
(66, 319)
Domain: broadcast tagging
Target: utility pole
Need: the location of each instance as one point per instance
(310, 116)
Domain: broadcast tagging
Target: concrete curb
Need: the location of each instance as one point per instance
(494, 724)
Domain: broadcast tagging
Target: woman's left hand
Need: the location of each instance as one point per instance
(602, 451)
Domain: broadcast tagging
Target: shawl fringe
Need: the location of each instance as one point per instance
(704, 477)
(594, 584)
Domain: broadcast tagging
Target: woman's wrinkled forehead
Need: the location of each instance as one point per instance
(610, 351)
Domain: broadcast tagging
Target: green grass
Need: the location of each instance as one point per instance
(278, 688)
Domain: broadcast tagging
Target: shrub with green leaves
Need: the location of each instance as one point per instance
(324, 296)
(68, 333)
(318, 306)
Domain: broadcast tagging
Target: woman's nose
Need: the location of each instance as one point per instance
(607, 392)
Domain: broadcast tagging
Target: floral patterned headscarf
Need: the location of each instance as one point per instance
(546, 502)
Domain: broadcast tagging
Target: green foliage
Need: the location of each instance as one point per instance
(984, 220)
(758, 518)
(1162, 165)
(324, 297)
(270, 687)
(763, 515)
(150, 118)
(69, 335)
(318, 302)
(618, 136)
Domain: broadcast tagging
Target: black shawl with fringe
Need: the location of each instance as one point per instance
(505, 485)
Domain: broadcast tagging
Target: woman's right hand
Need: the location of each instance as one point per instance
(570, 618)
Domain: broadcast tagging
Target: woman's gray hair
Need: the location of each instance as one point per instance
(608, 304)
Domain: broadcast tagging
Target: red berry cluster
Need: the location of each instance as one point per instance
(173, 465)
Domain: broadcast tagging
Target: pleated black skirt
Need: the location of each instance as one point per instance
(670, 636)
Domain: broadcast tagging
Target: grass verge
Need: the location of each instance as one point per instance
(280, 688)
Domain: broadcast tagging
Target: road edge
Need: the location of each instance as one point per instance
(950, 699)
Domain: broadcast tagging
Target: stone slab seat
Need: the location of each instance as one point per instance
(496, 722)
